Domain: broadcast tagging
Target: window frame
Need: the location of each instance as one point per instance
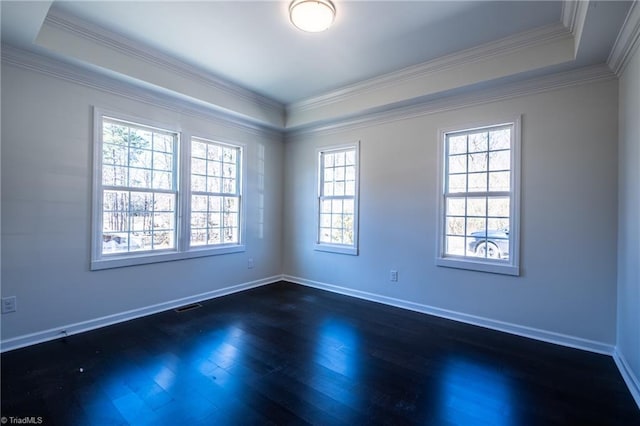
(496, 266)
(182, 179)
(221, 248)
(337, 248)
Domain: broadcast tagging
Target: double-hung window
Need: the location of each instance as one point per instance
(157, 197)
(215, 193)
(337, 203)
(479, 197)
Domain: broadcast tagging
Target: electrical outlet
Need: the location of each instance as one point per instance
(393, 275)
(9, 304)
(250, 263)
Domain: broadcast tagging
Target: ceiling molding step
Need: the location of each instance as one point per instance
(567, 79)
(75, 27)
(627, 41)
(486, 51)
(80, 75)
(574, 16)
(569, 14)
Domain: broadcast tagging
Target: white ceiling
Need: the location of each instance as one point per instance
(252, 43)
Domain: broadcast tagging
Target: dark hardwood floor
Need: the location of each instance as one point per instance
(286, 354)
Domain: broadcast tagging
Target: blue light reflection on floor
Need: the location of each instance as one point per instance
(337, 346)
(475, 394)
(195, 379)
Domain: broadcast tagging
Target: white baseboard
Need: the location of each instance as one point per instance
(632, 381)
(70, 329)
(533, 333)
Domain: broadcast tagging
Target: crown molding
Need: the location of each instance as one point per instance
(487, 51)
(77, 74)
(627, 41)
(586, 75)
(125, 46)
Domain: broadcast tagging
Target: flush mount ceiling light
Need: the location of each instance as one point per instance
(312, 15)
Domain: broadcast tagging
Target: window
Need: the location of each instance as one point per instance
(142, 184)
(338, 199)
(478, 223)
(215, 193)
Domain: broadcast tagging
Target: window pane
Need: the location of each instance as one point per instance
(199, 203)
(455, 246)
(328, 175)
(198, 237)
(477, 182)
(478, 142)
(500, 139)
(162, 180)
(498, 206)
(229, 155)
(478, 162)
(329, 160)
(198, 183)
(163, 221)
(140, 138)
(350, 158)
(115, 155)
(476, 224)
(215, 204)
(457, 183)
(325, 235)
(214, 152)
(348, 206)
(350, 188)
(229, 186)
(140, 158)
(114, 176)
(455, 206)
(163, 143)
(198, 149)
(477, 207)
(499, 181)
(214, 185)
(455, 226)
(458, 164)
(500, 160)
(328, 189)
(336, 206)
(229, 170)
(457, 144)
(140, 178)
(115, 133)
(198, 166)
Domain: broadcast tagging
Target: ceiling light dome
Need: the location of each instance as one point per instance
(312, 15)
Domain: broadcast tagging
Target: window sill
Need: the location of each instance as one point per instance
(109, 262)
(329, 248)
(493, 267)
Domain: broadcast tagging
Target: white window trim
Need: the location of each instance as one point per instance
(338, 248)
(512, 266)
(183, 170)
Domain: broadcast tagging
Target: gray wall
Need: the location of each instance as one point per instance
(629, 217)
(568, 214)
(46, 209)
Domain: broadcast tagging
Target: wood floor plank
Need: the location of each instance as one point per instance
(288, 354)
